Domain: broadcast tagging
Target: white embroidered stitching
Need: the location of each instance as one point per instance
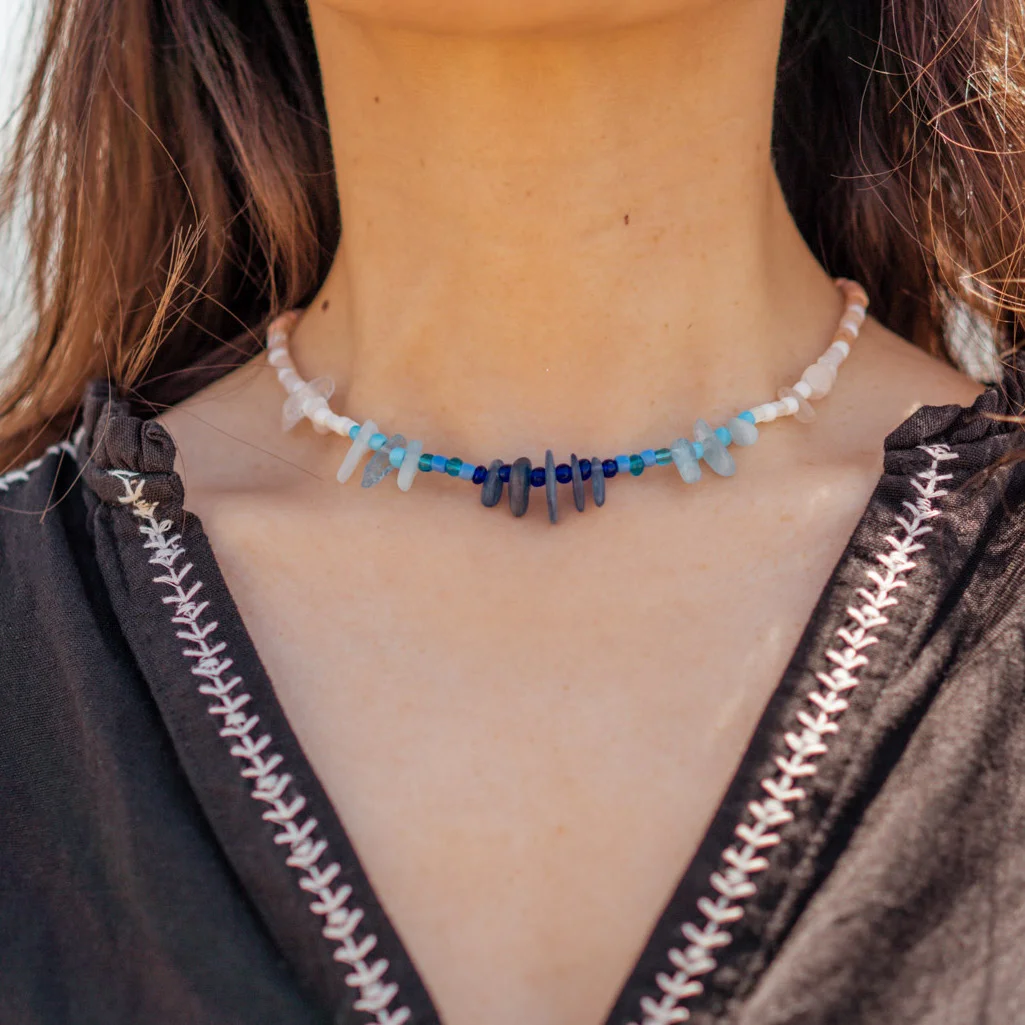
(22, 473)
(269, 784)
(733, 881)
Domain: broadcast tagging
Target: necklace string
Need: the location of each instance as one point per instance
(709, 445)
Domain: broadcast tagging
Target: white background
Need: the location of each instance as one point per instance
(17, 20)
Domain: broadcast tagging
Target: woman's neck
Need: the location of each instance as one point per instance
(563, 237)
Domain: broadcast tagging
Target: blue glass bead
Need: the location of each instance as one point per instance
(623, 464)
(699, 449)
(715, 453)
(537, 477)
(383, 461)
(503, 473)
(466, 471)
(377, 441)
(609, 467)
(585, 469)
(395, 456)
(563, 473)
(438, 464)
(453, 466)
(480, 474)
(636, 465)
(598, 481)
(723, 434)
(663, 456)
(744, 432)
(683, 455)
(579, 496)
(747, 415)
(426, 463)
(353, 431)
(648, 455)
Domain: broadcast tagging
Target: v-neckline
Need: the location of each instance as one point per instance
(292, 853)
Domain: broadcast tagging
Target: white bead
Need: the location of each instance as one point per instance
(819, 381)
(803, 388)
(319, 413)
(789, 405)
(357, 450)
(410, 465)
(279, 358)
(290, 379)
(858, 311)
(764, 413)
(851, 324)
(841, 347)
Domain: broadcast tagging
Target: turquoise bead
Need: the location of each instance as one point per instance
(748, 416)
(699, 450)
(396, 456)
(377, 441)
(723, 434)
(353, 431)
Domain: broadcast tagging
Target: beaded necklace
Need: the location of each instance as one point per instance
(309, 400)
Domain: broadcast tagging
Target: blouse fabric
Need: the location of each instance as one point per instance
(168, 856)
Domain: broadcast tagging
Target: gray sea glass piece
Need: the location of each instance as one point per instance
(380, 465)
(491, 489)
(578, 483)
(744, 433)
(715, 452)
(685, 461)
(597, 482)
(519, 486)
(551, 488)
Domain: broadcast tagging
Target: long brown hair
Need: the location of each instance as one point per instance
(173, 163)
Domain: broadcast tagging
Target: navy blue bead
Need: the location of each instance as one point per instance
(479, 474)
(503, 473)
(609, 467)
(563, 474)
(585, 469)
(537, 477)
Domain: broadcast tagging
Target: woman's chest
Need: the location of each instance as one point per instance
(525, 741)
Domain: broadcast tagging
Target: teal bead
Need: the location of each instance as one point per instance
(377, 441)
(425, 463)
(636, 465)
(663, 457)
(453, 466)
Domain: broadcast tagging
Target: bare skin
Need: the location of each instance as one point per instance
(562, 230)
